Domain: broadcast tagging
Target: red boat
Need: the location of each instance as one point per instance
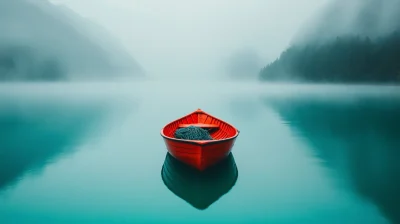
(200, 154)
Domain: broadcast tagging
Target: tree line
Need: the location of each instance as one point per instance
(344, 59)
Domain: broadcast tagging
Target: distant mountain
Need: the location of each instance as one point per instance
(42, 41)
(353, 41)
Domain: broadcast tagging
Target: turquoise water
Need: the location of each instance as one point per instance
(92, 153)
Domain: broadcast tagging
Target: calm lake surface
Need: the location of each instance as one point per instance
(92, 153)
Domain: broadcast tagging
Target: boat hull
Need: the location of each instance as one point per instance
(200, 156)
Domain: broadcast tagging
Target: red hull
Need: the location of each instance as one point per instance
(200, 154)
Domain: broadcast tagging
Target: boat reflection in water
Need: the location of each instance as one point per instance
(199, 188)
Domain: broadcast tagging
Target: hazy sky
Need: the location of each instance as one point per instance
(188, 38)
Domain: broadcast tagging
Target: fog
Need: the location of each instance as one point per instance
(179, 39)
(195, 39)
(41, 41)
(373, 18)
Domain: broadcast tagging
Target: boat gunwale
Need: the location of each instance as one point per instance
(200, 142)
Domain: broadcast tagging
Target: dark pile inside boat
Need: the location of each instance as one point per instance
(192, 133)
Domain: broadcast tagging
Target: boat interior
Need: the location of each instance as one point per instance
(217, 128)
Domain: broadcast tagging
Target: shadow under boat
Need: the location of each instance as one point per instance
(199, 188)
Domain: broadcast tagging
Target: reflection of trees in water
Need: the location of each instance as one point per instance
(359, 140)
(32, 137)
